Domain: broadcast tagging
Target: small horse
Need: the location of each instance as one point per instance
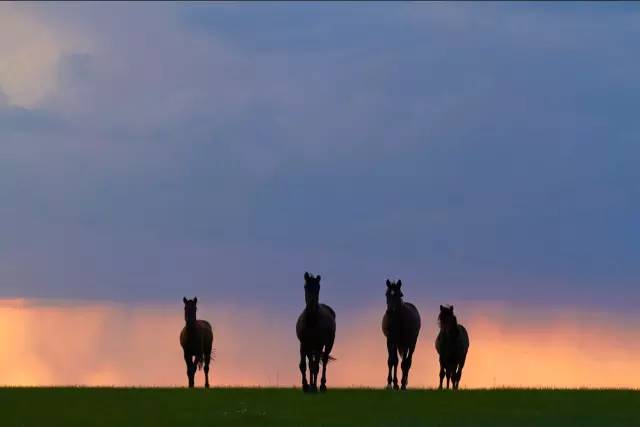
(196, 340)
(452, 345)
(316, 331)
(401, 326)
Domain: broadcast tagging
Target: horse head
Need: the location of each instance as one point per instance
(311, 291)
(394, 295)
(446, 318)
(190, 309)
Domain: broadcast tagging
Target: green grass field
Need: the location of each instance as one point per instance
(287, 407)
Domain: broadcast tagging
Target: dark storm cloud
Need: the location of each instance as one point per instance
(478, 151)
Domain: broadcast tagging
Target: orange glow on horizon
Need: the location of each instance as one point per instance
(96, 344)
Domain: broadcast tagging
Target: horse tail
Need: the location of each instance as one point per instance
(329, 359)
(200, 359)
(199, 362)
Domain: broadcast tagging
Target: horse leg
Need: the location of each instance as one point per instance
(458, 374)
(390, 360)
(454, 378)
(303, 369)
(406, 365)
(207, 360)
(448, 372)
(323, 380)
(441, 375)
(325, 361)
(315, 367)
(403, 358)
(395, 368)
(190, 368)
(312, 369)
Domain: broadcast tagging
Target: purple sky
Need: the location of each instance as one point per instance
(477, 151)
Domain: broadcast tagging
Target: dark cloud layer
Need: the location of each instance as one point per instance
(478, 152)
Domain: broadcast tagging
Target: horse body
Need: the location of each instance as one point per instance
(452, 345)
(316, 331)
(401, 326)
(196, 339)
(315, 328)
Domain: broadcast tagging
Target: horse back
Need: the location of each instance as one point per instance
(203, 338)
(329, 324)
(330, 310)
(406, 327)
(323, 328)
(412, 316)
(457, 348)
(204, 326)
(464, 338)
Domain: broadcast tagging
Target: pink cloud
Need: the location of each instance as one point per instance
(44, 343)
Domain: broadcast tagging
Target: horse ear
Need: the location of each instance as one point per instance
(441, 307)
(306, 275)
(318, 277)
(399, 283)
(195, 300)
(388, 283)
(184, 300)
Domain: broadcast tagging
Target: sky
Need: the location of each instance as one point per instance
(99, 344)
(483, 153)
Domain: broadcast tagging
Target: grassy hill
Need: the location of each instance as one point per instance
(21, 407)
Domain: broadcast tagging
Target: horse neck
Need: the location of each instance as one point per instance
(396, 321)
(192, 327)
(454, 322)
(395, 314)
(311, 312)
(453, 329)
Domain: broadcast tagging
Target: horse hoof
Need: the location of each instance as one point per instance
(388, 387)
(395, 387)
(206, 386)
(323, 388)
(314, 389)
(403, 388)
(305, 388)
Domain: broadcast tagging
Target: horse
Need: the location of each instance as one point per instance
(452, 345)
(401, 326)
(316, 331)
(196, 340)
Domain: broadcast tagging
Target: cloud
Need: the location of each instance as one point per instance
(31, 49)
(457, 147)
(92, 344)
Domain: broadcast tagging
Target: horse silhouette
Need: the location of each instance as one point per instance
(196, 340)
(316, 331)
(452, 345)
(401, 326)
